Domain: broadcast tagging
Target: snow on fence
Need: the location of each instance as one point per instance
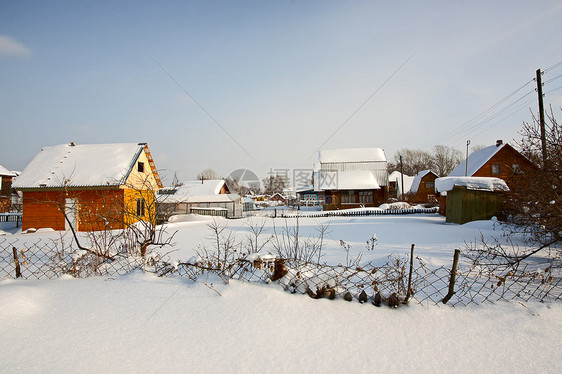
(273, 213)
(11, 217)
(399, 280)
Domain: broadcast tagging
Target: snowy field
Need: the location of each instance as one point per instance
(142, 323)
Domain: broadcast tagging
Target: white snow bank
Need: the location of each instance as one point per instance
(188, 218)
(142, 323)
(395, 206)
(472, 183)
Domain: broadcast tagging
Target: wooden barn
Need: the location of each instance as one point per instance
(422, 189)
(92, 186)
(5, 189)
(499, 161)
(466, 199)
(352, 178)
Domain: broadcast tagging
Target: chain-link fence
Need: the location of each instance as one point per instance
(401, 279)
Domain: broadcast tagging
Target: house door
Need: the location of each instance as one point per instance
(70, 211)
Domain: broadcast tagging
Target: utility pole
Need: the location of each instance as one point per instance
(466, 162)
(541, 117)
(402, 178)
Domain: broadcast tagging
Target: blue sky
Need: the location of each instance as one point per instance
(264, 84)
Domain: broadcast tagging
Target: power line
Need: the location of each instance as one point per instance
(552, 67)
(363, 104)
(469, 125)
(482, 125)
(199, 104)
(551, 79)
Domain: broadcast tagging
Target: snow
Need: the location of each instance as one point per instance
(5, 172)
(80, 165)
(351, 155)
(142, 323)
(475, 161)
(408, 180)
(195, 191)
(472, 183)
(351, 180)
(417, 180)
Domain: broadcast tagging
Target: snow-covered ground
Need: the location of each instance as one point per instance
(142, 323)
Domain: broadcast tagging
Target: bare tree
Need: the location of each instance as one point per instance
(445, 159)
(274, 184)
(533, 206)
(536, 197)
(413, 161)
(207, 174)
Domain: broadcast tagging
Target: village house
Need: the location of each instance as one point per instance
(352, 178)
(422, 189)
(89, 186)
(309, 196)
(5, 189)
(208, 197)
(499, 161)
(395, 180)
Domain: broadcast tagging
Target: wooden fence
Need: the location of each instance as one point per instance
(356, 213)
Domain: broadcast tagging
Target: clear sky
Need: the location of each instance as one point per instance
(265, 84)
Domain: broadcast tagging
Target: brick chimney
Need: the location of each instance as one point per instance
(499, 142)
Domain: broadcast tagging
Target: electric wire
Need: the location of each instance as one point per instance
(467, 126)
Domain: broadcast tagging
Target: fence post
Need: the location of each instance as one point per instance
(409, 292)
(17, 262)
(453, 276)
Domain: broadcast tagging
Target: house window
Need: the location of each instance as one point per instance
(140, 207)
(429, 184)
(348, 197)
(516, 169)
(495, 169)
(140, 167)
(366, 197)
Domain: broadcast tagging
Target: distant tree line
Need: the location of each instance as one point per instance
(441, 160)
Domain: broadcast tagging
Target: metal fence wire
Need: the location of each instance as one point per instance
(389, 283)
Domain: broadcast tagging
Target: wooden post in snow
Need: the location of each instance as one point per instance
(16, 262)
(409, 291)
(453, 276)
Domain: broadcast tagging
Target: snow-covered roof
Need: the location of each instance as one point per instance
(472, 183)
(222, 198)
(396, 176)
(192, 189)
(80, 165)
(476, 160)
(351, 155)
(350, 180)
(417, 181)
(5, 172)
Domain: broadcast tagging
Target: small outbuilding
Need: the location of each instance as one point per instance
(207, 197)
(465, 199)
(422, 189)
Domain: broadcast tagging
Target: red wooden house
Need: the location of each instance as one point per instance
(499, 161)
(423, 188)
(5, 189)
(94, 186)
